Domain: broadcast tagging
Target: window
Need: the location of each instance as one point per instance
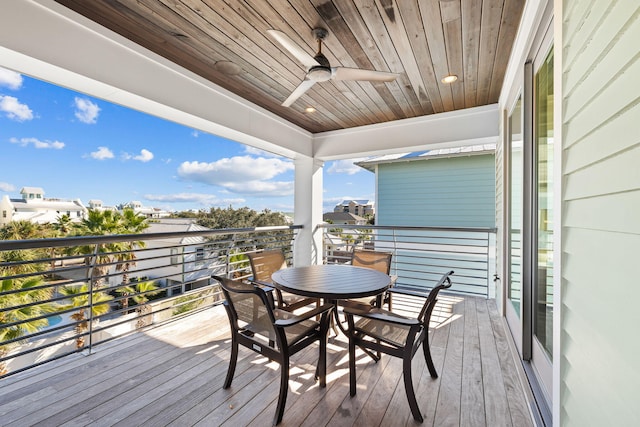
(4, 214)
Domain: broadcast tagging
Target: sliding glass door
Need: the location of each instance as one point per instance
(542, 310)
(530, 222)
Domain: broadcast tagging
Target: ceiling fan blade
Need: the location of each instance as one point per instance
(298, 92)
(300, 54)
(344, 73)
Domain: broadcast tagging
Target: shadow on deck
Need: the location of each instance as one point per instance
(173, 375)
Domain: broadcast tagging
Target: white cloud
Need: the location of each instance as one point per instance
(200, 198)
(56, 145)
(144, 156)
(262, 188)
(345, 166)
(14, 109)
(102, 154)
(86, 111)
(241, 174)
(195, 133)
(5, 186)
(10, 79)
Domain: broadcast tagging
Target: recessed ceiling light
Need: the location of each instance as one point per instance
(449, 79)
(310, 110)
(227, 67)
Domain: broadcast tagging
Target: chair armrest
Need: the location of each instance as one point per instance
(408, 292)
(382, 315)
(261, 283)
(294, 319)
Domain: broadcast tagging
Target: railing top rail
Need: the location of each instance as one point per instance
(90, 240)
(409, 228)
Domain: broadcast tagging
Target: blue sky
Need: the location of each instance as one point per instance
(78, 147)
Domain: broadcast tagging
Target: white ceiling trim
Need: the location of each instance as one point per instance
(471, 126)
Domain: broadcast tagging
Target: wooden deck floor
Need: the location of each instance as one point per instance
(173, 374)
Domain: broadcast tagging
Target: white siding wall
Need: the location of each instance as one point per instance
(600, 374)
(449, 192)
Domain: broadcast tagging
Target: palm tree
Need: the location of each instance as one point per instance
(21, 230)
(130, 223)
(98, 223)
(144, 290)
(31, 291)
(79, 299)
(63, 225)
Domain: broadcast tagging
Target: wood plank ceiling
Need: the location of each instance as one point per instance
(226, 42)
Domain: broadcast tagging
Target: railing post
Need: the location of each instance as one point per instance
(491, 264)
(90, 297)
(232, 245)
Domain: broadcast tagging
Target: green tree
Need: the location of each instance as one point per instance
(30, 291)
(63, 225)
(108, 222)
(22, 230)
(220, 218)
(144, 290)
(130, 223)
(97, 223)
(78, 296)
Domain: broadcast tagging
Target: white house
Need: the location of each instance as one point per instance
(34, 207)
(148, 212)
(359, 207)
(343, 218)
(192, 260)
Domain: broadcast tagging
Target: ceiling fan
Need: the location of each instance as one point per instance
(318, 68)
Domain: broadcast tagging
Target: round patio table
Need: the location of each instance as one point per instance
(332, 281)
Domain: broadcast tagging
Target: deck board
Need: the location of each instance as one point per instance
(173, 375)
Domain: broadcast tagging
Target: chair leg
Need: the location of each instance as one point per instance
(321, 369)
(427, 357)
(352, 367)
(232, 361)
(408, 386)
(284, 388)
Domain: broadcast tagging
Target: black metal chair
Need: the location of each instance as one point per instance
(263, 265)
(375, 260)
(390, 333)
(274, 333)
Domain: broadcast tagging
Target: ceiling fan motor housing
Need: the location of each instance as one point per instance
(322, 72)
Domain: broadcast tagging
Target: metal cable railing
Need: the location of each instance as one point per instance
(66, 295)
(421, 254)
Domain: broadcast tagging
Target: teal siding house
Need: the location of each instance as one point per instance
(452, 187)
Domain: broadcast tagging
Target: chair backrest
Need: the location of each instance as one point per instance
(432, 298)
(376, 260)
(265, 263)
(248, 306)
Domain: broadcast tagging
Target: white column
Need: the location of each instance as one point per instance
(308, 211)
